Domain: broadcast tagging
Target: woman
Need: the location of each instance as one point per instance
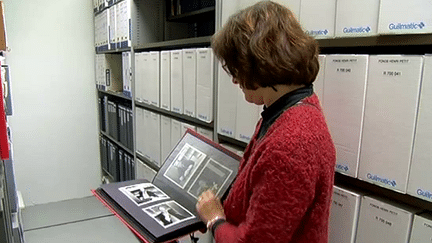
(283, 189)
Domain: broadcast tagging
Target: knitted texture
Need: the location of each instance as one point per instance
(283, 190)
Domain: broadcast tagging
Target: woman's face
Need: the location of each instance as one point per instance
(252, 96)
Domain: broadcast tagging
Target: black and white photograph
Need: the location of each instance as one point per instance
(143, 193)
(184, 165)
(213, 176)
(168, 214)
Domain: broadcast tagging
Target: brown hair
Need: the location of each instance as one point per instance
(264, 45)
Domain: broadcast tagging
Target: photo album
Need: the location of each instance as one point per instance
(164, 209)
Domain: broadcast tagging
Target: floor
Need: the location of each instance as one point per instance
(83, 220)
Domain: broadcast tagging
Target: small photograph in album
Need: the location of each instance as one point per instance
(213, 176)
(168, 213)
(143, 193)
(164, 209)
(184, 165)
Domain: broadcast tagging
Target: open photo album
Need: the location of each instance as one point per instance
(164, 209)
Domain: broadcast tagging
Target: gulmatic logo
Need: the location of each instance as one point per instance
(245, 137)
(360, 29)
(407, 26)
(426, 194)
(317, 32)
(382, 180)
(342, 167)
(226, 131)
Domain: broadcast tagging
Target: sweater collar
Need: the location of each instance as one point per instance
(271, 113)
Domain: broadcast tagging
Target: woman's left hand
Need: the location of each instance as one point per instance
(209, 207)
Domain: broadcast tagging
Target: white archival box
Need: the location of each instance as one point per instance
(392, 94)
(318, 84)
(344, 97)
(422, 228)
(230, 7)
(420, 179)
(318, 18)
(405, 17)
(356, 18)
(384, 222)
(143, 171)
(344, 213)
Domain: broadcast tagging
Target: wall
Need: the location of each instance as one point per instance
(54, 124)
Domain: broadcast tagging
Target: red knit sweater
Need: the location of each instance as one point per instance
(283, 190)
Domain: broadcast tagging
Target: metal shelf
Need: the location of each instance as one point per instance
(193, 15)
(379, 40)
(177, 116)
(116, 94)
(233, 141)
(106, 173)
(355, 183)
(173, 44)
(115, 51)
(123, 147)
(146, 161)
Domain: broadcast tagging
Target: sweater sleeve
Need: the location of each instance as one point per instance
(283, 185)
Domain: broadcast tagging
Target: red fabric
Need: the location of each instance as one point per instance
(283, 189)
(4, 144)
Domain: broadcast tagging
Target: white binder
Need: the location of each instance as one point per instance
(154, 78)
(177, 81)
(140, 135)
(246, 120)
(189, 82)
(155, 138)
(112, 27)
(139, 82)
(176, 132)
(143, 171)
(146, 77)
(147, 135)
(227, 104)
(165, 137)
(205, 77)
(165, 80)
(127, 79)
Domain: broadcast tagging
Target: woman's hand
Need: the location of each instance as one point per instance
(209, 207)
